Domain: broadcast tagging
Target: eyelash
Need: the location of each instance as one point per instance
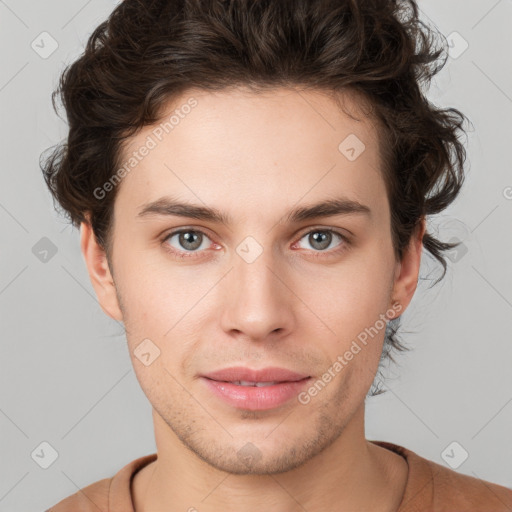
(316, 254)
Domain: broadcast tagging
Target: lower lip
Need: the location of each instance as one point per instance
(254, 398)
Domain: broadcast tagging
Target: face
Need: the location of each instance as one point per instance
(263, 286)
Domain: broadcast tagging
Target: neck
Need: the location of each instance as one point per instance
(352, 473)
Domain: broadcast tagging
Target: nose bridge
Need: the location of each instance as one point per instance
(258, 301)
(255, 268)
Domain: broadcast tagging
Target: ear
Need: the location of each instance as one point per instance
(407, 271)
(99, 272)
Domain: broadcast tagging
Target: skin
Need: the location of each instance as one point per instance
(255, 157)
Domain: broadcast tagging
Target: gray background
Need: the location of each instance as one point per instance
(66, 377)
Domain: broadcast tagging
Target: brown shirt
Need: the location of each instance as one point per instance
(430, 488)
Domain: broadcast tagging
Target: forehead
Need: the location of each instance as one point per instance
(257, 151)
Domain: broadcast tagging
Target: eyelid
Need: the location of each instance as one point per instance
(175, 231)
(300, 234)
(338, 231)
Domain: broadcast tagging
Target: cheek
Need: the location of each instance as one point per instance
(354, 310)
(352, 297)
(159, 320)
(147, 293)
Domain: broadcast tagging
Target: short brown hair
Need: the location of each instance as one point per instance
(150, 51)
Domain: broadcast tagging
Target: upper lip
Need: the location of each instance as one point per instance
(270, 374)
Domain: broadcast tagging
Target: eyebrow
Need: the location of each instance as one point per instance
(168, 206)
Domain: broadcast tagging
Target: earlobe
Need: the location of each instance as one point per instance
(406, 276)
(99, 272)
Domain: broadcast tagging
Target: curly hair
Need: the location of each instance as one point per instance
(150, 51)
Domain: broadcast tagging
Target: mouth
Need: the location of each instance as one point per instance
(255, 390)
(255, 384)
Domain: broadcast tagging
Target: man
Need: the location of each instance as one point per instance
(252, 181)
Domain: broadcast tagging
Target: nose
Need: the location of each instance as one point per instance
(259, 301)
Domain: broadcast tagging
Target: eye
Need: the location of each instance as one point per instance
(185, 241)
(320, 239)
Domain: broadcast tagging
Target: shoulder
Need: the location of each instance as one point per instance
(431, 486)
(468, 492)
(93, 498)
(107, 495)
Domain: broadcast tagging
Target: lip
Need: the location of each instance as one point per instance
(269, 374)
(288, 385)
